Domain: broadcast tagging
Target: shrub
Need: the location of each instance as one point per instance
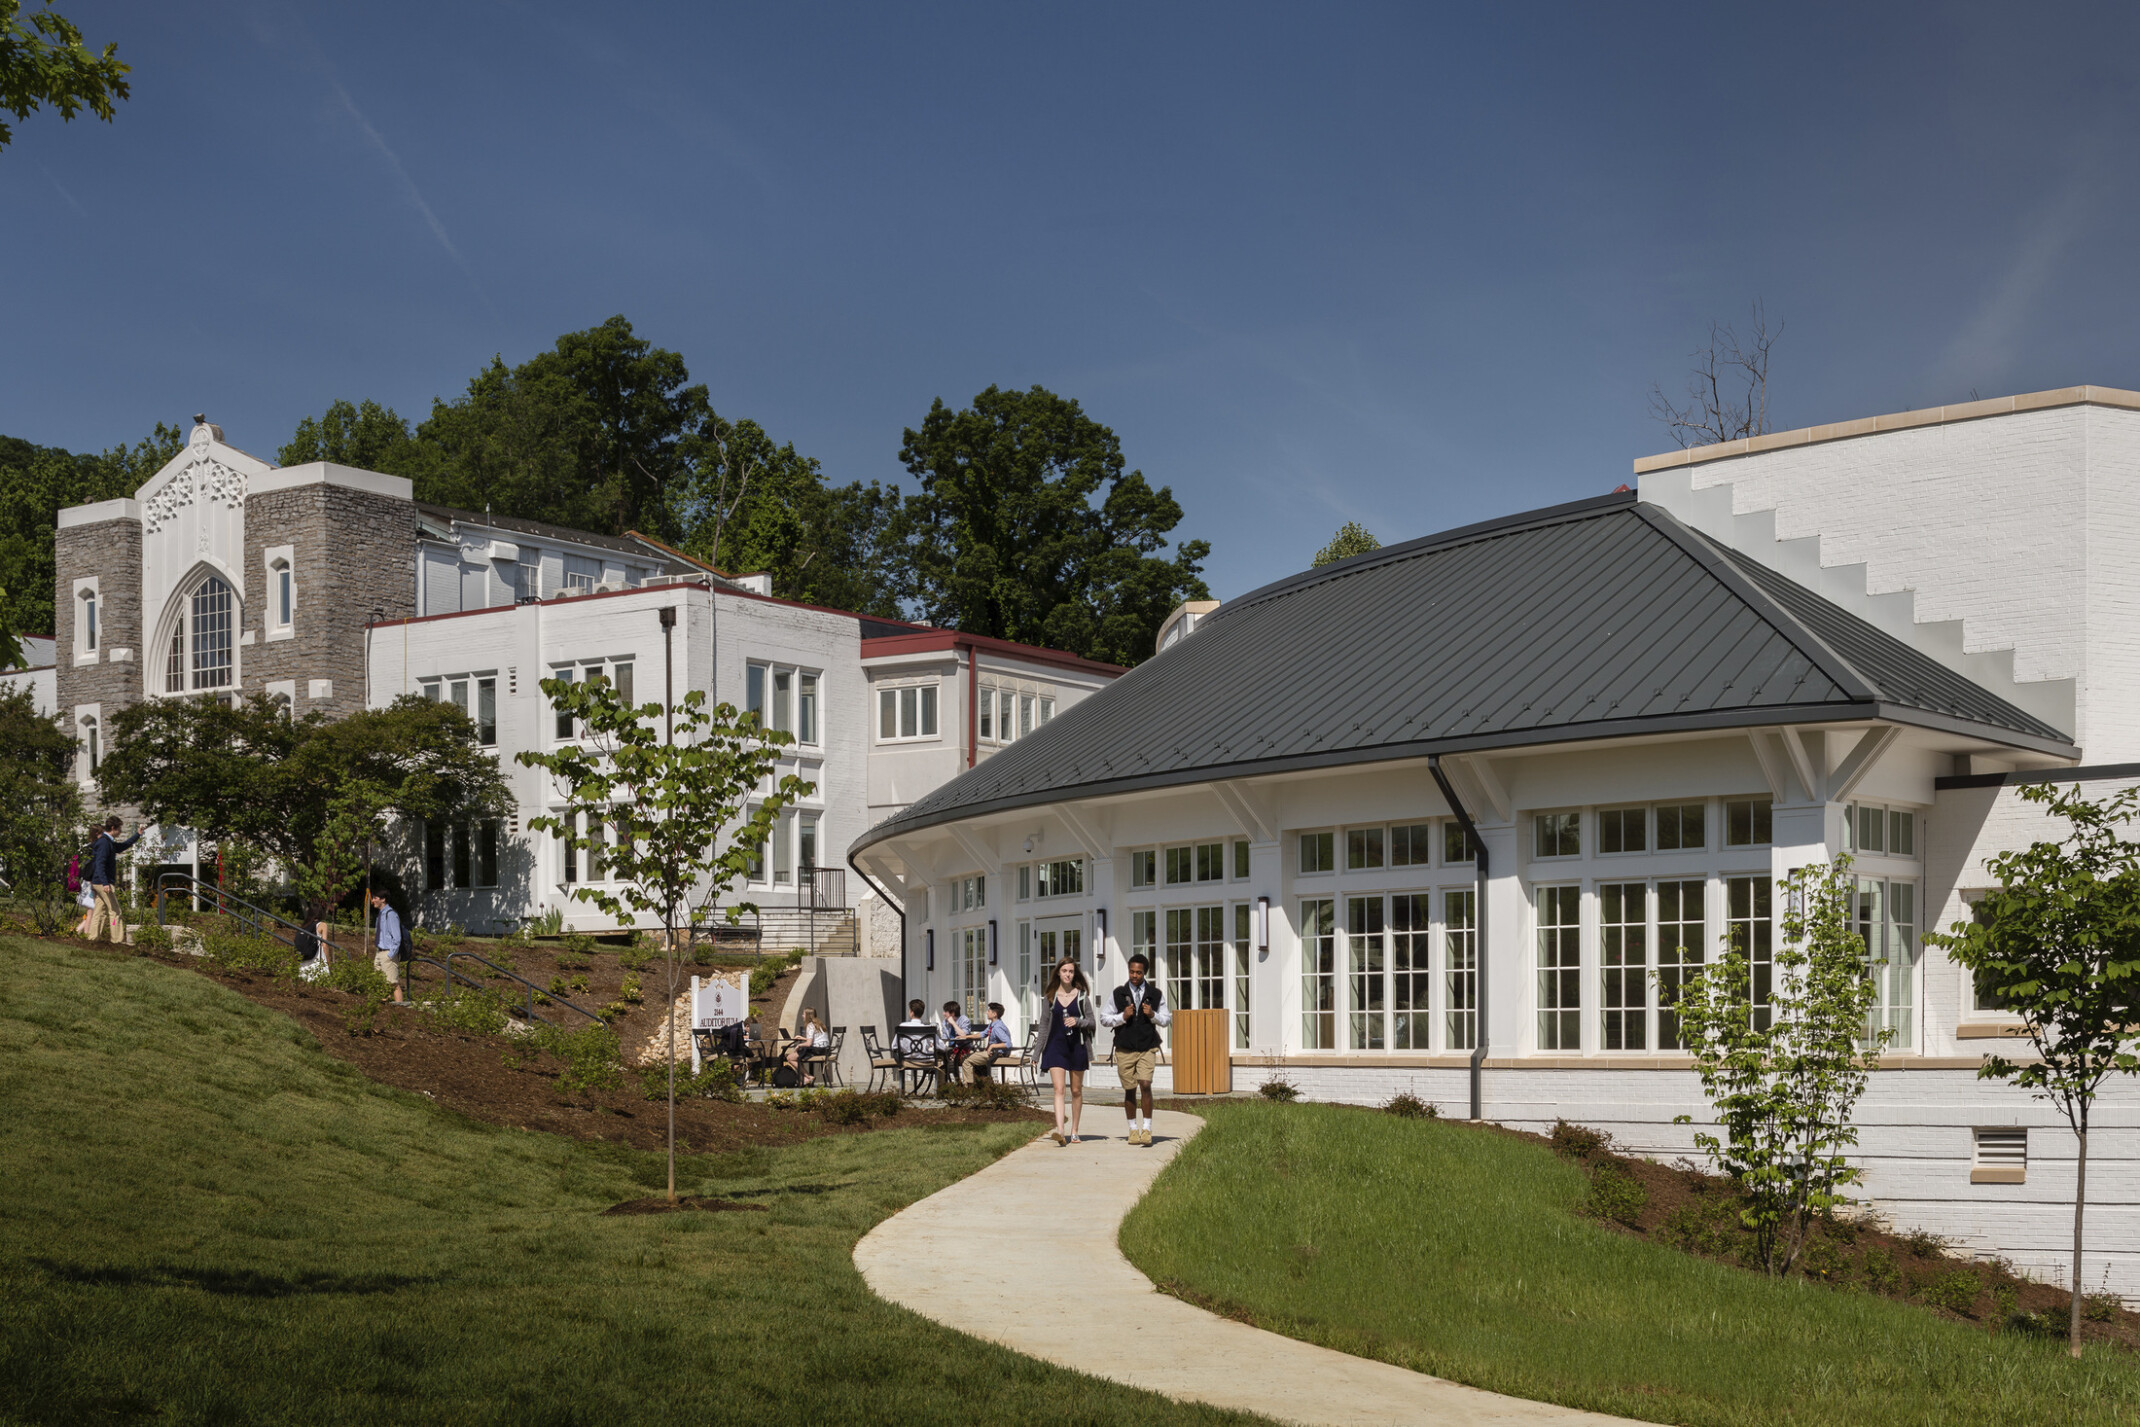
(1578, 1141)
(984, 1094)
(1278, 1088)
(856, 1107)
(636, 956)
(550, 923)
(1825, 1261)
(769, 971)
(1956, 1290)
(630, 990)
(1702, 1226)
(151, 937)
(1881, 1275)
(1407, 1106)
(241, 951)
(1617, 1195)
(470, 1009)
(2004, 1297)
(717, 1079)
(1925, 1244)
(355, 973)
(362, 1019)
(593, 1059)
(2101, 1307)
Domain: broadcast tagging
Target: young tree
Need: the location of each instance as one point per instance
(672, 806)
(1784, 1072)
(247, 770)
(1027, 527)
(1351, 539)
(40, 809)
(2058, 942)
(44, 61)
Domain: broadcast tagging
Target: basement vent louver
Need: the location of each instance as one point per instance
(2002, 1156)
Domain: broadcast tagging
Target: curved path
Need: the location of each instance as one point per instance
(1049, 1214)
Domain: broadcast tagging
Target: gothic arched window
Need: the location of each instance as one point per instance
(200, 655)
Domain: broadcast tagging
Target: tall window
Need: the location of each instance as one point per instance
(486, 711)
(1680, 923)
(1747, 923)
(784, 850)
(89, 621)
(1623, 955)
(1144, 940)
(1887, 920)
(1180, 950)
(1411, 970)
(754, 692)
(806, 709)
(985, 715)
(92, 744)
(464, 872)
(1210, 958)
(487, 839)
(972, 970)
(1364, 956)
(784, 700)
(806, 850)
(435, 858)
(564, 720)
(200, 652)
(1244, 952)
(1560, 974)
(1318, 973)
(285, 593)
(1460, 961)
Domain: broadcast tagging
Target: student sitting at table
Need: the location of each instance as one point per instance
(955, 1036)
(811, 1040)
(995, 1044)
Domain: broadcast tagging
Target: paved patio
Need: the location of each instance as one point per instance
(1047, 1214)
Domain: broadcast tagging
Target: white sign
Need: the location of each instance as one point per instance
(719, 1002)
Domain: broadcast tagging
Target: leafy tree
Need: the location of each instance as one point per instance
(294, 788)
(1351, 539)
(1784, 1078)
(2058, 942)
(368, 436)
(1027, 527)
(36, 482)
(669, 804)
(43, 60)
(748, 505)
(40, 809)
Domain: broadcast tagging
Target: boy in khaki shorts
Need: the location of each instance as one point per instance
(1139, 1012)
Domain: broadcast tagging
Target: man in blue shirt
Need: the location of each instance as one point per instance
(104, 877)
(389, 951)
(996, 1043)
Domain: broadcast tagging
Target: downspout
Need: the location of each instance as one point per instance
(973, 700)
(879, 887)
(1478, 922)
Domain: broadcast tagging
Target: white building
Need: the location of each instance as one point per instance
(332, 589)
(1651, 706)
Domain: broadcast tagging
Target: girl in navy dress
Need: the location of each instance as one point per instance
(1066, 1047)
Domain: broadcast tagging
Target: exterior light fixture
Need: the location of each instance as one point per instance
(991, 941)
(928, 942)
(1099, 941)
(1263, 925)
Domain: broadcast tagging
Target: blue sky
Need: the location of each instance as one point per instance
(1409, 265)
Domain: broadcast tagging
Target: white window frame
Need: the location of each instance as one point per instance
(88, 621)
(893, 705)
(763, 693)
(279, 563)
(178, 622)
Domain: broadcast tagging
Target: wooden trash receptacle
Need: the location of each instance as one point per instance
(1203, 1064)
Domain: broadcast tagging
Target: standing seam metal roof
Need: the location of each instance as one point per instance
(1602, 618)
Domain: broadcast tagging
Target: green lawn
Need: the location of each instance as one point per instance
(1456, 1251)
(204, 1218)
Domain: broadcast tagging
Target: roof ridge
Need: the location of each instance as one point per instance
(1716, 560)
(1583, 509)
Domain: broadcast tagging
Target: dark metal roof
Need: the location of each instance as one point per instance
(1604, 618)
(446, 516)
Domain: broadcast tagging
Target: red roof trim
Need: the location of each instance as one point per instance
(930, 641)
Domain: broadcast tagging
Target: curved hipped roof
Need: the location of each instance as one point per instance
(1603, 618)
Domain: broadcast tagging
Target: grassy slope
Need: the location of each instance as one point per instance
(1456, 1252)
(204, 1218)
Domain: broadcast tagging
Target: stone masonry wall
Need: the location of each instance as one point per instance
(111, 551)
(352, 553)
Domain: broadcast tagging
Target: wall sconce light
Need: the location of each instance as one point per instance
(1099, 941)
(991, 941)
(928, 941)
(1263, 925)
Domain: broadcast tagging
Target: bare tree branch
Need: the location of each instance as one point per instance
(1727, 392)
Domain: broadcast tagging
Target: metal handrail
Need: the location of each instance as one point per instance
(533, 989)
(258, 920)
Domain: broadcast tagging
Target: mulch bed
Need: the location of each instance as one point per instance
(468, 1072)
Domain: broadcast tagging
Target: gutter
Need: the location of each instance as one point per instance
(889, 901)
(973, 698)
(1478, 925)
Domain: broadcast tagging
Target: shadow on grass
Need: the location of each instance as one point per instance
(228, 1282)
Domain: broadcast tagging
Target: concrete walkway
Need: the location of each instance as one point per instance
(1049, 1214)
